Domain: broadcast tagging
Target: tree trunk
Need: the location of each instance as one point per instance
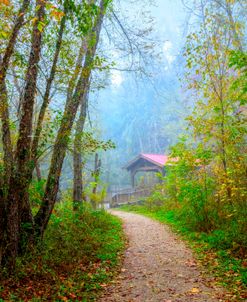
(4, 110)
(2, 220)
(61, 143)
(96, 173)
(19, 210)
(77, 157)
(4, 114)
(11, 44)
(6, 136)
(77, 160)
(78, 67)
(49, 82)
(38, 171)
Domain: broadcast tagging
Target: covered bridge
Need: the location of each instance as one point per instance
(146, 163)
(142, 163)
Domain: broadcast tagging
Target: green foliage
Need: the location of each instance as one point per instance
(91, 144)
(238, 61)
(82, 15)
(155, 200)
(79, 254)
(98, 197)
(36, 191)
(191, 188)
(206, 184)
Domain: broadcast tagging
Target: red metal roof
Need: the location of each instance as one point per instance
(158, 159)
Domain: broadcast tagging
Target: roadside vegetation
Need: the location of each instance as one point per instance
(79, 255)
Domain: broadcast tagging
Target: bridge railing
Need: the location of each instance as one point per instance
(125, 196)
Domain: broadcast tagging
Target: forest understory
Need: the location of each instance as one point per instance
(79, 255)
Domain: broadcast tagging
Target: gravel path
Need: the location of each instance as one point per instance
(157, 267)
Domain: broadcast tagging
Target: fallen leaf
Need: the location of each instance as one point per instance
(190, 263)
(195, 290)
(244, 263)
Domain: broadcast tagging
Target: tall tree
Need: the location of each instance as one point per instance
(4, 66)
(49, 82)
(5, 119)
(61, 143)
(214, 121)
(18, 208)
(77, 152)
(96, 174)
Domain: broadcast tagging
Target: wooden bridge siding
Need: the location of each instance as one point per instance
(143, 166)
(131, 196)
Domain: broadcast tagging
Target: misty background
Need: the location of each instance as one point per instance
(139, 104)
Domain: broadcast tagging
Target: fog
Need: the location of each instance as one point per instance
(144, 113)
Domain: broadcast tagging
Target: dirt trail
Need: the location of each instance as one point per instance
(157, 267)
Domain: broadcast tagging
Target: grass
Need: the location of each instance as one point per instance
(80, 254)
(211, 251)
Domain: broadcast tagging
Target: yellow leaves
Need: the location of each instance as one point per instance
(4, 2)
(195, 290)
(3, 34)
(85, 72)
(34, 19)
(56, 14)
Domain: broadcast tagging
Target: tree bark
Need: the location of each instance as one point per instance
(19, 210)
(11, 44)
(6, 136)
(4, 115)
(4, 110)
(78, 67)
(96, 173)
(77, 153)
(49, 82)
(61, 143)
(38, 171)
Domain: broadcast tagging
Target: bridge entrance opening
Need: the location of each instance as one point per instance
(146, 165)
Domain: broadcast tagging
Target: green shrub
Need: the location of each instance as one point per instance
(79, 254)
